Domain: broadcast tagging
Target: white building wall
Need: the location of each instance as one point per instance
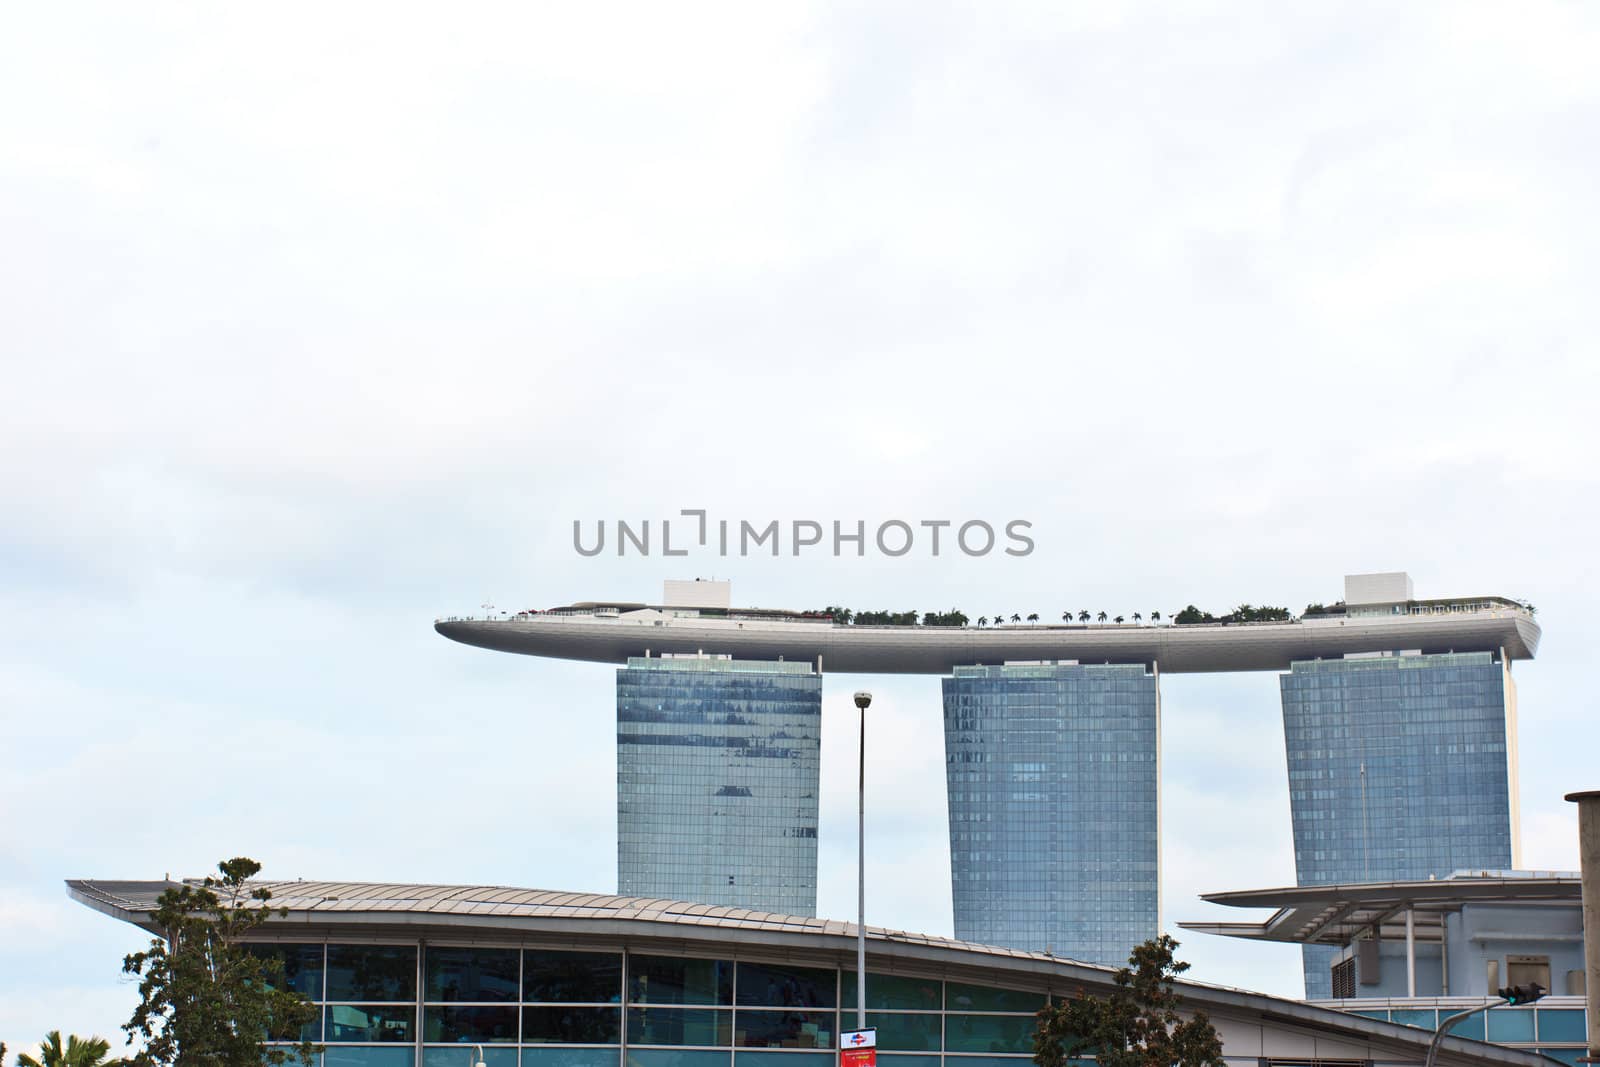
(1387, 587)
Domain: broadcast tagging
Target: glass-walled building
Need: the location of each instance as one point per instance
(1052, 774)
(560, 1008)
(717, 777)
(418, 975)
(1400, 768)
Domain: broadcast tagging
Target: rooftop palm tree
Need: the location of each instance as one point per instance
(1083, 616)
(1137, 617)
(1101, 617)
(983, 620)
(1118, 620)
(1015, 617)
(1034, 617)
(78, 1052)
(1155, 616)
(1066, 616)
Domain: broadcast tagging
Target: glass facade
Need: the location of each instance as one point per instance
(1397, 771)
(1052, 775)
(543, 1007)
(1557, 1032)
(717, 770)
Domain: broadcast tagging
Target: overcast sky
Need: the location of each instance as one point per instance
(318, 322)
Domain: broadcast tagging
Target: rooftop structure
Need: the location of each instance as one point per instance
(615, 632)
(1418, 951)
(418, 974)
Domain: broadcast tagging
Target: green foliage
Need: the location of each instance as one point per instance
(1251, 613)
(1138, 1025)
(886, 618)
(1243, 613)
(944, 618)
(78, 1052)
(205, 999)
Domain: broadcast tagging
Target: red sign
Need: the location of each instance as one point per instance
(858, 1048)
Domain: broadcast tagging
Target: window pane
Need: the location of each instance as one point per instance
(470, 974)
(372, 972)
(894, 991)
(665, 980)
(908, 1061)
(1561, 1024)
(781, 1059)
(572, 977)
(369, 1057)
(571, 1026)
(1419, 1017)
(784, 1029)
(467, 1057)
(469, 1024)
(556, 1056)
(961, 997)
(988, 1061)
(1510, 1025)
(370, 1022)
(671, 1057)
(1471, 1026)
(1565, 1055)
(988, 1033)
(302, 966)
(768, 985)
(909, 1033)
(679, 1026)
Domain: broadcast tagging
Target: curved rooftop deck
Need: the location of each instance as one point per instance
(614, 637)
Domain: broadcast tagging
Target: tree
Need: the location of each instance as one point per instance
(983, 620)
(1155, 616)
(1102, 617)
(1083, 616)
(1118, 620)
(1137, 616)
(204, 998)
(79, 1052)
(1066, 616)
(1033, 617)
(1015, 617)
(1138, 1025)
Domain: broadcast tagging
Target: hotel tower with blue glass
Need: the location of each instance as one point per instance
(717, 767)
(1052, 774)
(1402, 767)
(1399, 720)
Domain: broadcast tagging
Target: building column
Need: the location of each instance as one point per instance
(1589, 856)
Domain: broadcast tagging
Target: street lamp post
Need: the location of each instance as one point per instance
(863, 700)
(1444, 1027)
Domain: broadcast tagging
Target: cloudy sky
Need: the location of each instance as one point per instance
(321, 322)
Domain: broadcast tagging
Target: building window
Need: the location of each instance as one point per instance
(1344, 979)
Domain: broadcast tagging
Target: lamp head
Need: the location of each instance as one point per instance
(863, 699)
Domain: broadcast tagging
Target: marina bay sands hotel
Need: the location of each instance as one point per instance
(1399, 718)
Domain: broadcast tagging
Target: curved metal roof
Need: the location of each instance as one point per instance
(938, 649)
(134, 901)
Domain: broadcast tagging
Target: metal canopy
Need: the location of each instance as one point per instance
(1341, 914)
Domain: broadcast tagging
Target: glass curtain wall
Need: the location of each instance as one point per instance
(1052, 779)
(1397, 771)
(401, 1005)
(717, 775)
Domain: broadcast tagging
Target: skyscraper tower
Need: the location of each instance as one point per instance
(1402, 766)
(717, 768)
(1053, 775)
